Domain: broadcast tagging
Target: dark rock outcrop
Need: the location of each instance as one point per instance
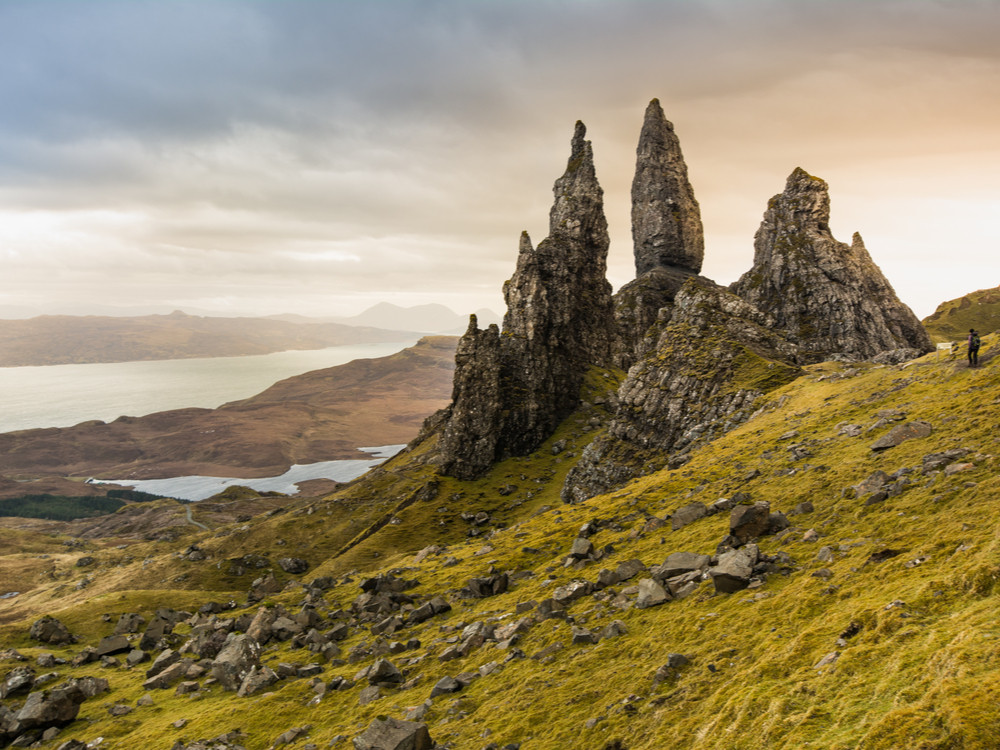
(512, 388)
(827, 297)
(714, 360)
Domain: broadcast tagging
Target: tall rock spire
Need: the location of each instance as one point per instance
(666, 218)
(826, 296)
(518, 385)
(668, 240)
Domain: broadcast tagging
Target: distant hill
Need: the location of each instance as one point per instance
(430, 318)
(65, 339)
(319, 416)
(953, 319)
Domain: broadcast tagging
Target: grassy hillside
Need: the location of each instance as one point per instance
(875, 628)
(953, 319)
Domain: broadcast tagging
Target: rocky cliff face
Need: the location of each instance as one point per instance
(713, 361)
(828, 297)
(513, 388)
(668, 240)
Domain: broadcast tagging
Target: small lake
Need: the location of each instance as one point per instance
(201, 487)
(65, 395)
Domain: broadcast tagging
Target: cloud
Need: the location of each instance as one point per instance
(255, 143)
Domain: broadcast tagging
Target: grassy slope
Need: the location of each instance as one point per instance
(953, 319)
(919, 674)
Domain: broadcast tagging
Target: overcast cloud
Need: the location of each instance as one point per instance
(317, 157)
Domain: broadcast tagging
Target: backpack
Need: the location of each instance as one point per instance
(974, 341)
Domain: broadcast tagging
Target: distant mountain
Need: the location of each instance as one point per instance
(318, 416)
(431, 318)
(953, 319)
(64, 339)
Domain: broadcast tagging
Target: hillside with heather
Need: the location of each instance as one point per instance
(684, 515)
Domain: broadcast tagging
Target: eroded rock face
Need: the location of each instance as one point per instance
(827, 297)
(713, 361)
(513, 388)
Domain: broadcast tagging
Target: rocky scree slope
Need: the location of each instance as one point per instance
(823, 575)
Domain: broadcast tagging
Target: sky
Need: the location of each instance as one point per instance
(246, 157)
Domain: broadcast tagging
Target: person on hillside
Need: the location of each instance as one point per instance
(973, 348)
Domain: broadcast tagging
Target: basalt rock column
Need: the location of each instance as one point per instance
(667, 235)
(826, 296)
(513, 388)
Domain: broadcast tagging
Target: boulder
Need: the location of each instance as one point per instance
(293, 565)
(50, 630)
(445, 685)
(902, 432)
(582, 548)
(679, 563)
(18, 680)
(651, 594)
(734, 569)
(479, 588)
(394, 734)
(130, 622)
(384, 674)
(257, 679)
(687, 514)
(427, 610)
(168, 677)
(748, 522)
(240, 654)
(113, 644)
(629, 569)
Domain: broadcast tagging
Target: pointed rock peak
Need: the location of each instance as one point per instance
(524, 246)
(666, 219)
(656, 128)
(806, 199)
(578, 210)
(828, 297)
(473, 324)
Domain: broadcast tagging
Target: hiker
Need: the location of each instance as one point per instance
(973, 348)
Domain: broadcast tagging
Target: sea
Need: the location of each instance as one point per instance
(65, 395)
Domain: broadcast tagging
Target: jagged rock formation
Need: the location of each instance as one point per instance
(828, 297)
(714, 360)
(667, 235)
(666, 219)
(513, 388)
